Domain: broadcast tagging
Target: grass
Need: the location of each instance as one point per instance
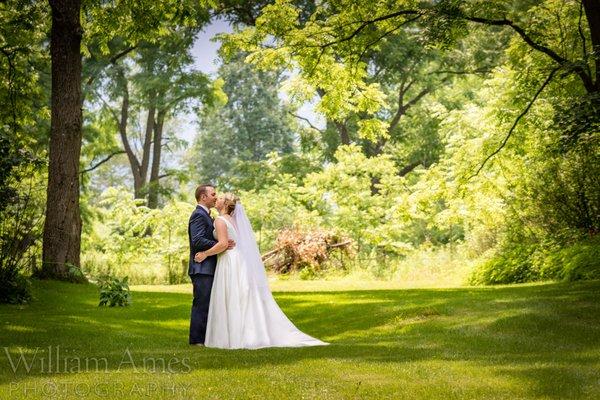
(537, 341)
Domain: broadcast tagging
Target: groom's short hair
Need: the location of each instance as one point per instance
(200, 190)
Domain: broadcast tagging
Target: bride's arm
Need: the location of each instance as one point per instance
(220, 246)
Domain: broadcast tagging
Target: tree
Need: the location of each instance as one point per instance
(104, 22)
(235, 138)
(535, 114)
(155, 81)
(328, 47)
(62, 226)
(23, 94)
(23, 91)
(409, 73)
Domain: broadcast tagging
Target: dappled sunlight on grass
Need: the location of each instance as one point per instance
(500, 342)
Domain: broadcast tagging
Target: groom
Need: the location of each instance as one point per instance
(200, 234)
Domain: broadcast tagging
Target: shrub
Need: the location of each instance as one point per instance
(510, 266)
(114, 292)
(528, 262)
(14, 287)
(579, 261)
(126, 238)
(21, 216)
(582, 261)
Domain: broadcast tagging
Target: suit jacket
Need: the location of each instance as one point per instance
(200, 234)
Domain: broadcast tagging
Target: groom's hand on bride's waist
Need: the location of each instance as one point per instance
(201, 256)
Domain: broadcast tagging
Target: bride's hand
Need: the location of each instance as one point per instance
(199, 257)
(231, 244)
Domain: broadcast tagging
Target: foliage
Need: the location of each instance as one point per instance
(502, 155)
(130, 22)
(14, 287)
(138, 99)
(21, 220)
(579, 261)
(280, 204)
(457, 132)
(114, 292)
(23, 129)
(23, 92)
(130, 239)
(567, 189)
(517, 263)
(235, 138)
(511, 266)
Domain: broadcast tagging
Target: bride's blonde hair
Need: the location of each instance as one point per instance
(229, 202)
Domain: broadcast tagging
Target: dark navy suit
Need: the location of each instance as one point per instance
(200, 234)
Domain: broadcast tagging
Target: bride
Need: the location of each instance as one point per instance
(242, 312)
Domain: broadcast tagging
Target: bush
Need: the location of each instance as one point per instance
(582, 262)
(511, 266)
(126, 238)
(528, 262)
(147, 270)
(21, 217)
(579, 261)
(14, 287)
(114, 292)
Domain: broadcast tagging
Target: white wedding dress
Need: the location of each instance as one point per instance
(243, 313)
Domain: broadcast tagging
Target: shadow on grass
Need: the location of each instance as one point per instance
(541, 334)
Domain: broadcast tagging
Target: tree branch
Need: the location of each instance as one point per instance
(111, 60)
(306, 120)
(408, 168)
(166, 175)
(123, 53)
(523, 113)
(418, 97)
(11, 91)
(401, 109)
(93, 167)
(385, 34)
(135, 164)
(343, 131)
(583, 39)
(563, 62)
(366, 23)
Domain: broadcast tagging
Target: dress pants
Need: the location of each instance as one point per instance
(199, 316)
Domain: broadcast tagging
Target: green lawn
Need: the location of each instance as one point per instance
(513, 342)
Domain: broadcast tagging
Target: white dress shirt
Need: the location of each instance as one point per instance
(205, 209)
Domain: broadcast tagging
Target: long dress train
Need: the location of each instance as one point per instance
(240, 315)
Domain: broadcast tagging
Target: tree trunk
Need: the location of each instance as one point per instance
(157, 147)
(147, 142)
(62, 226)
(343, 131)
(592, 13)
(133, 161)
(139, 170)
